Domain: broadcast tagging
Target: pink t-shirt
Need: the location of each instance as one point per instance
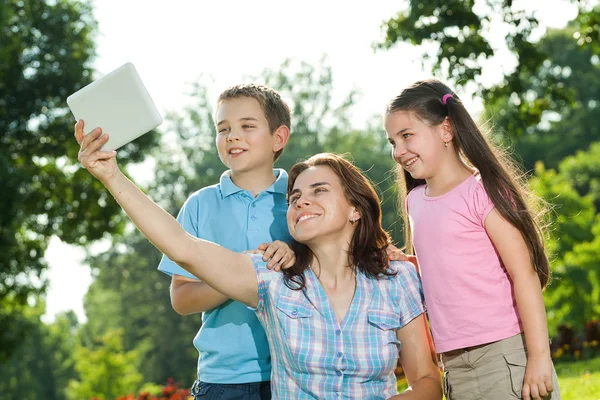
(468, 292)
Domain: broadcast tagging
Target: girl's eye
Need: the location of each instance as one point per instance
(393, 144)
(222, 130)
(293, 199)
(407, 135)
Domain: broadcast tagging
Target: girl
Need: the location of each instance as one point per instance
(479, 247)
(335, 320)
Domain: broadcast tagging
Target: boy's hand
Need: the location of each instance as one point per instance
(395, 254)
(538, 378)
(101, 164)
(280, 254)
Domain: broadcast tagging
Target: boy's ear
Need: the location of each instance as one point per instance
(281, 136)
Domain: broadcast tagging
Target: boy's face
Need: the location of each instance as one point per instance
(244, 141)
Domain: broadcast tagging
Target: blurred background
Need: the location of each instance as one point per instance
(83, 311)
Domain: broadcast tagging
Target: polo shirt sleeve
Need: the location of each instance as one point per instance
(407, 292)
(188, 219)
(264, 277)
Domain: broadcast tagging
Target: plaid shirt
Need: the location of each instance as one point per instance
(314, 357)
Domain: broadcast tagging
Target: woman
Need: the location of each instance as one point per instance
(336, 320)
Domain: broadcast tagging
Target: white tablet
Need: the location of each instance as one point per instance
(119, 104)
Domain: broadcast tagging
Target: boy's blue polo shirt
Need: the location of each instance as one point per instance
(232, 343)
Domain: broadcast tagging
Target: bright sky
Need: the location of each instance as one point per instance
(173, 43)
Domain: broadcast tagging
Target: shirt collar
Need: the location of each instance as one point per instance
(279, 186)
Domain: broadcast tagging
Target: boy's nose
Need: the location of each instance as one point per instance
(233, 136)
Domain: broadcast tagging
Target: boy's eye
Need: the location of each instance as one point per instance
(248, 126)
(222, 130)
(320, 189)
(294, 199)
(407, 135)
(392, 143)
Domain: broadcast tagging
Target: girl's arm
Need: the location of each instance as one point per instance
(419, 362)
(528, 293)
(227, 272)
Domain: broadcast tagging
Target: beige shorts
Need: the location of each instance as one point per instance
(491, 371)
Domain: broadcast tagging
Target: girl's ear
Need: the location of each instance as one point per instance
(447, 131)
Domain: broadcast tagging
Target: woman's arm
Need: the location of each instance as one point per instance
(528, 293)
(419, 362)
(230, 273)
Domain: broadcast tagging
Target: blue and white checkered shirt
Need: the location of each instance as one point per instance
(314, 357)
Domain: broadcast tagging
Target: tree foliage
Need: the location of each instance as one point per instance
(45, 52)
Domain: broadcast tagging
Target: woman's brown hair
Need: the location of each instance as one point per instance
(368, 245)
(504, 185)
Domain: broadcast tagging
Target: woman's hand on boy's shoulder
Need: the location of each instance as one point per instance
(279, 254)
(395, 254)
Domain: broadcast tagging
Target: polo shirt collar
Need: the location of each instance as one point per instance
(279, 186)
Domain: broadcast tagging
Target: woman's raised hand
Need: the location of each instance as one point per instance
(101, 164)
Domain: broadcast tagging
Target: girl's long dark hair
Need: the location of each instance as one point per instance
(367, 250)
(504, 185)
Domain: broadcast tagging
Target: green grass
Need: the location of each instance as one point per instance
(578, 380)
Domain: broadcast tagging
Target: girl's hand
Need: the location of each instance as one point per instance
(101, 164)
(280, 254)
(395, 254)
(538, 378)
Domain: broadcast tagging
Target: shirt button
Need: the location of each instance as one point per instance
(337, 394)
(253, 218)
(253, 204)
(338, 373)
(337, 332)
(295, 312)
(339, 354)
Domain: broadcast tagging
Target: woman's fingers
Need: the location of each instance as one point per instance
(93, 141)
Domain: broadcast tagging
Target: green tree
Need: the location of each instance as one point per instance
(574, 294)
(42, 365)
(105, 371)
(45, 52)
(548, 103)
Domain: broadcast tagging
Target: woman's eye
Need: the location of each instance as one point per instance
(407, 135)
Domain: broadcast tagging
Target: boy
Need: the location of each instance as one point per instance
(247, 208)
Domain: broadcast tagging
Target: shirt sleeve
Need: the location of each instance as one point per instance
(409, 297)
(481, 202)
(264, 277)
(188, 219)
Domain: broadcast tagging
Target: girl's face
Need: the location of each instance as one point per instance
(416, 146)
(318, 207)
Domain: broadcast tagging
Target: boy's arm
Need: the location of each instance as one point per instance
(190, 296)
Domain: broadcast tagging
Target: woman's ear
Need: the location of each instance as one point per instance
(355, 216)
